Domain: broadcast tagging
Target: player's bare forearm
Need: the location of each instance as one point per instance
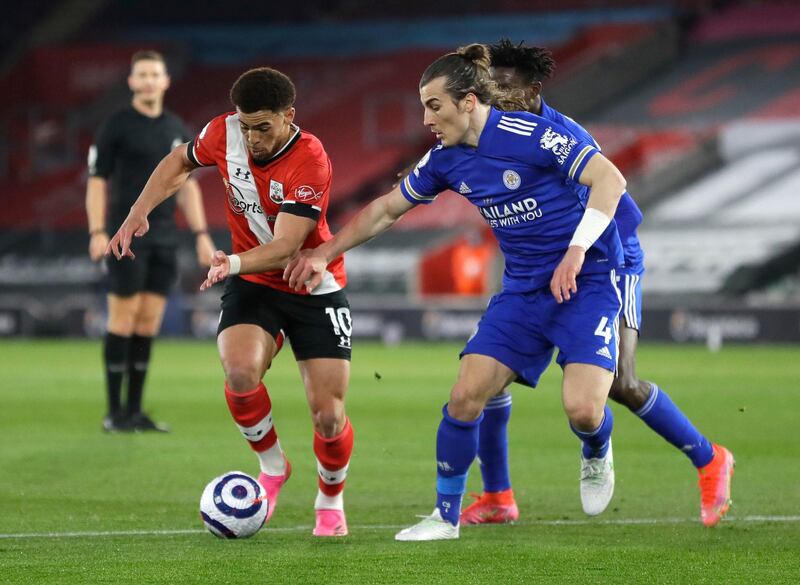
(306, 269)
(272, 256)
(374, 219)
(168, 177)
(291, 232)
(96, 201)
(606, 184)
(190, 200)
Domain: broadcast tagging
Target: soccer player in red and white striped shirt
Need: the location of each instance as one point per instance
(277, 181)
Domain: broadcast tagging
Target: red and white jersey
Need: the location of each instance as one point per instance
(296, 180)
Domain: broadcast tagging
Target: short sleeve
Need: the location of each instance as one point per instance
(209, 145)
(558, 147)
(308, 189)
(102, 153)
(423, 184)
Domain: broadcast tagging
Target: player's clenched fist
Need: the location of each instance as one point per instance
(219, 271)
(564, 278)
(306, 268)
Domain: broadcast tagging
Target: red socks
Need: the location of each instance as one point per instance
(252, 412)
(333, 457)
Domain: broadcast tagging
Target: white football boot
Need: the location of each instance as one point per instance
(597, 482)
(432, 527)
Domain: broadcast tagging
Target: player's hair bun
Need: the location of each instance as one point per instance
(477, 53)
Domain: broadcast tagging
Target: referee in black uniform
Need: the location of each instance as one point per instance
(127, 148)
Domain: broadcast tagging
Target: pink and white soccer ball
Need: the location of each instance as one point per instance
(234, 505)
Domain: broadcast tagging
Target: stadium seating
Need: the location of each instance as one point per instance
(718, 195)
(744, 214)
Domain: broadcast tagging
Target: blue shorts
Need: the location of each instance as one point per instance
(629, 283)
(521, 330)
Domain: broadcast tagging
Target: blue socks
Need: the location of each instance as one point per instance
(661, 415)
(493, 444)
(595, 443)
(456, 446)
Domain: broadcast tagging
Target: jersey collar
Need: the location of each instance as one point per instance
(488, 130)
(545, 109)
(284, 149)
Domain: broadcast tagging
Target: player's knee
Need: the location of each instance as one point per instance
(241, 377)
(329, 421)
(121, 324)
(463, 404)
(147, 325)
(584, 416)
(629, 391)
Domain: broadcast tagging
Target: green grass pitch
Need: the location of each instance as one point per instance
(78, 506)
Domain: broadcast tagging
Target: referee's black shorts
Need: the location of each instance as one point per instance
(154, 270)
(317, 326)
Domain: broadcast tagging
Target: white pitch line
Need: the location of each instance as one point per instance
(618, 522)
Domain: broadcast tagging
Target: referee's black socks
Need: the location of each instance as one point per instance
(115, 358)
(137, 371)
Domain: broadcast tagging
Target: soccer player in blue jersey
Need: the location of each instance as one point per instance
(560, 250)
(517, 68)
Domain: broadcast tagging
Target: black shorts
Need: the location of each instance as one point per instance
(154, 270)
(317, 326)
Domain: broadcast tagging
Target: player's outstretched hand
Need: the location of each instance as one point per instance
(219, 271)
(306, 268)
(204, 246)
(563, 284)
(135, 224)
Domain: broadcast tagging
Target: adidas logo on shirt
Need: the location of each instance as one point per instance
(464, 188)
(603, 351)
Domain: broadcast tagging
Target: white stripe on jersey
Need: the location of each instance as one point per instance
(514, 130)
(631, 314)
(516, 125)
(616, 317)
(328, 284)
(236, 156)
(518, 122)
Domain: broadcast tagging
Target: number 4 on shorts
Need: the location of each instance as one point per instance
(603, 330)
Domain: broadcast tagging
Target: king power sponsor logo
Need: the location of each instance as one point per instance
(511, 214)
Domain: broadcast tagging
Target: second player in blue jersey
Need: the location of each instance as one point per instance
(519, 69)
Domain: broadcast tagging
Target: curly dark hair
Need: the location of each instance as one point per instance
(262, 88)
(533, 63)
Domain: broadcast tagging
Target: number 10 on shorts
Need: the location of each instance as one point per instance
(341, 321)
